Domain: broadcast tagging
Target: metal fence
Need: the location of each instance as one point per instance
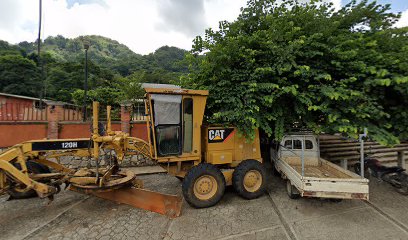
(115, 113)
(71, 113)
(22, 112)
(138, 112)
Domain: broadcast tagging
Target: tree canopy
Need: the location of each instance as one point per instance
(285, 63)
(18, 75)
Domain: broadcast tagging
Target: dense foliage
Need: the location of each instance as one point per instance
(306, 64)
(115, 72)
(18, 75)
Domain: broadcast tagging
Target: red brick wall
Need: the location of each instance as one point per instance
(115, 126)
(54, 113)
(17, 109)
(74, 130)
(17, 132)
(82, 130)
(26, 102)
(14, 133)
(125, 118)
(138, 130)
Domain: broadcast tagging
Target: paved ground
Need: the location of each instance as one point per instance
(272, 216)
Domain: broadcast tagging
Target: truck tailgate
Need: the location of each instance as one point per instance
(335, 188)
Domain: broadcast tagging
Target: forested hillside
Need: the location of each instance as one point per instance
(113, 68)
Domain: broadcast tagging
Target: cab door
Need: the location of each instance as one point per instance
(167, 123)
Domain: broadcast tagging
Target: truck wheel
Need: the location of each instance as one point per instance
(249, 179)
(32, 167)
(357, 168)
(292, 191)
(404, 184)
(403, 190)
(203, 186)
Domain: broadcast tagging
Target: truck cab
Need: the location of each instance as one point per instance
(291, 150)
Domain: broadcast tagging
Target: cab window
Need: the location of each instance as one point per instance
(187, 125)
(309, 144)
(288, 144)
(297, 144)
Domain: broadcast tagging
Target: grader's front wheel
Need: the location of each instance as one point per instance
(203, 186)
(20, 192)
(249, 179)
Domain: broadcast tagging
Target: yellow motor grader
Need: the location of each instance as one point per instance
(206, 158)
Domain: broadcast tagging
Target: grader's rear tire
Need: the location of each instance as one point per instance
(203, 186)
(32, 167)
(249, 179)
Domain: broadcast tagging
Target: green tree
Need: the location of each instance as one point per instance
(289, 63)
(18, 75)
(168, 58)
(7, 49)
(130, 86)
(104, 95)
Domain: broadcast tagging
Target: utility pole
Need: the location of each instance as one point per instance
(39, 29)
(361, 139)
(86, 47)
(39, 54)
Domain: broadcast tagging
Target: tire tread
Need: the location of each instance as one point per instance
(239, 174)
(192, 175)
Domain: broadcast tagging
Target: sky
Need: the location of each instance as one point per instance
(142, 25)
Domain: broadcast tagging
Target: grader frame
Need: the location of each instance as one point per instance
(109, 182)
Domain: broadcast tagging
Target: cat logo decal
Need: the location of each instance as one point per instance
(219, 135)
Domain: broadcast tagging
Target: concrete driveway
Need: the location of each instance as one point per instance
(272, 216)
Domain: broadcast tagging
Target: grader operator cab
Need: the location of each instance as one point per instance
(207, 158)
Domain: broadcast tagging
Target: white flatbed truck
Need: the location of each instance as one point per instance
(297, 159)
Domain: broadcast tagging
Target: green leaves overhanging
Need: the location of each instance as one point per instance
(284, 63)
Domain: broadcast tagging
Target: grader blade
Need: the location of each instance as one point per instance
(169, 205)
